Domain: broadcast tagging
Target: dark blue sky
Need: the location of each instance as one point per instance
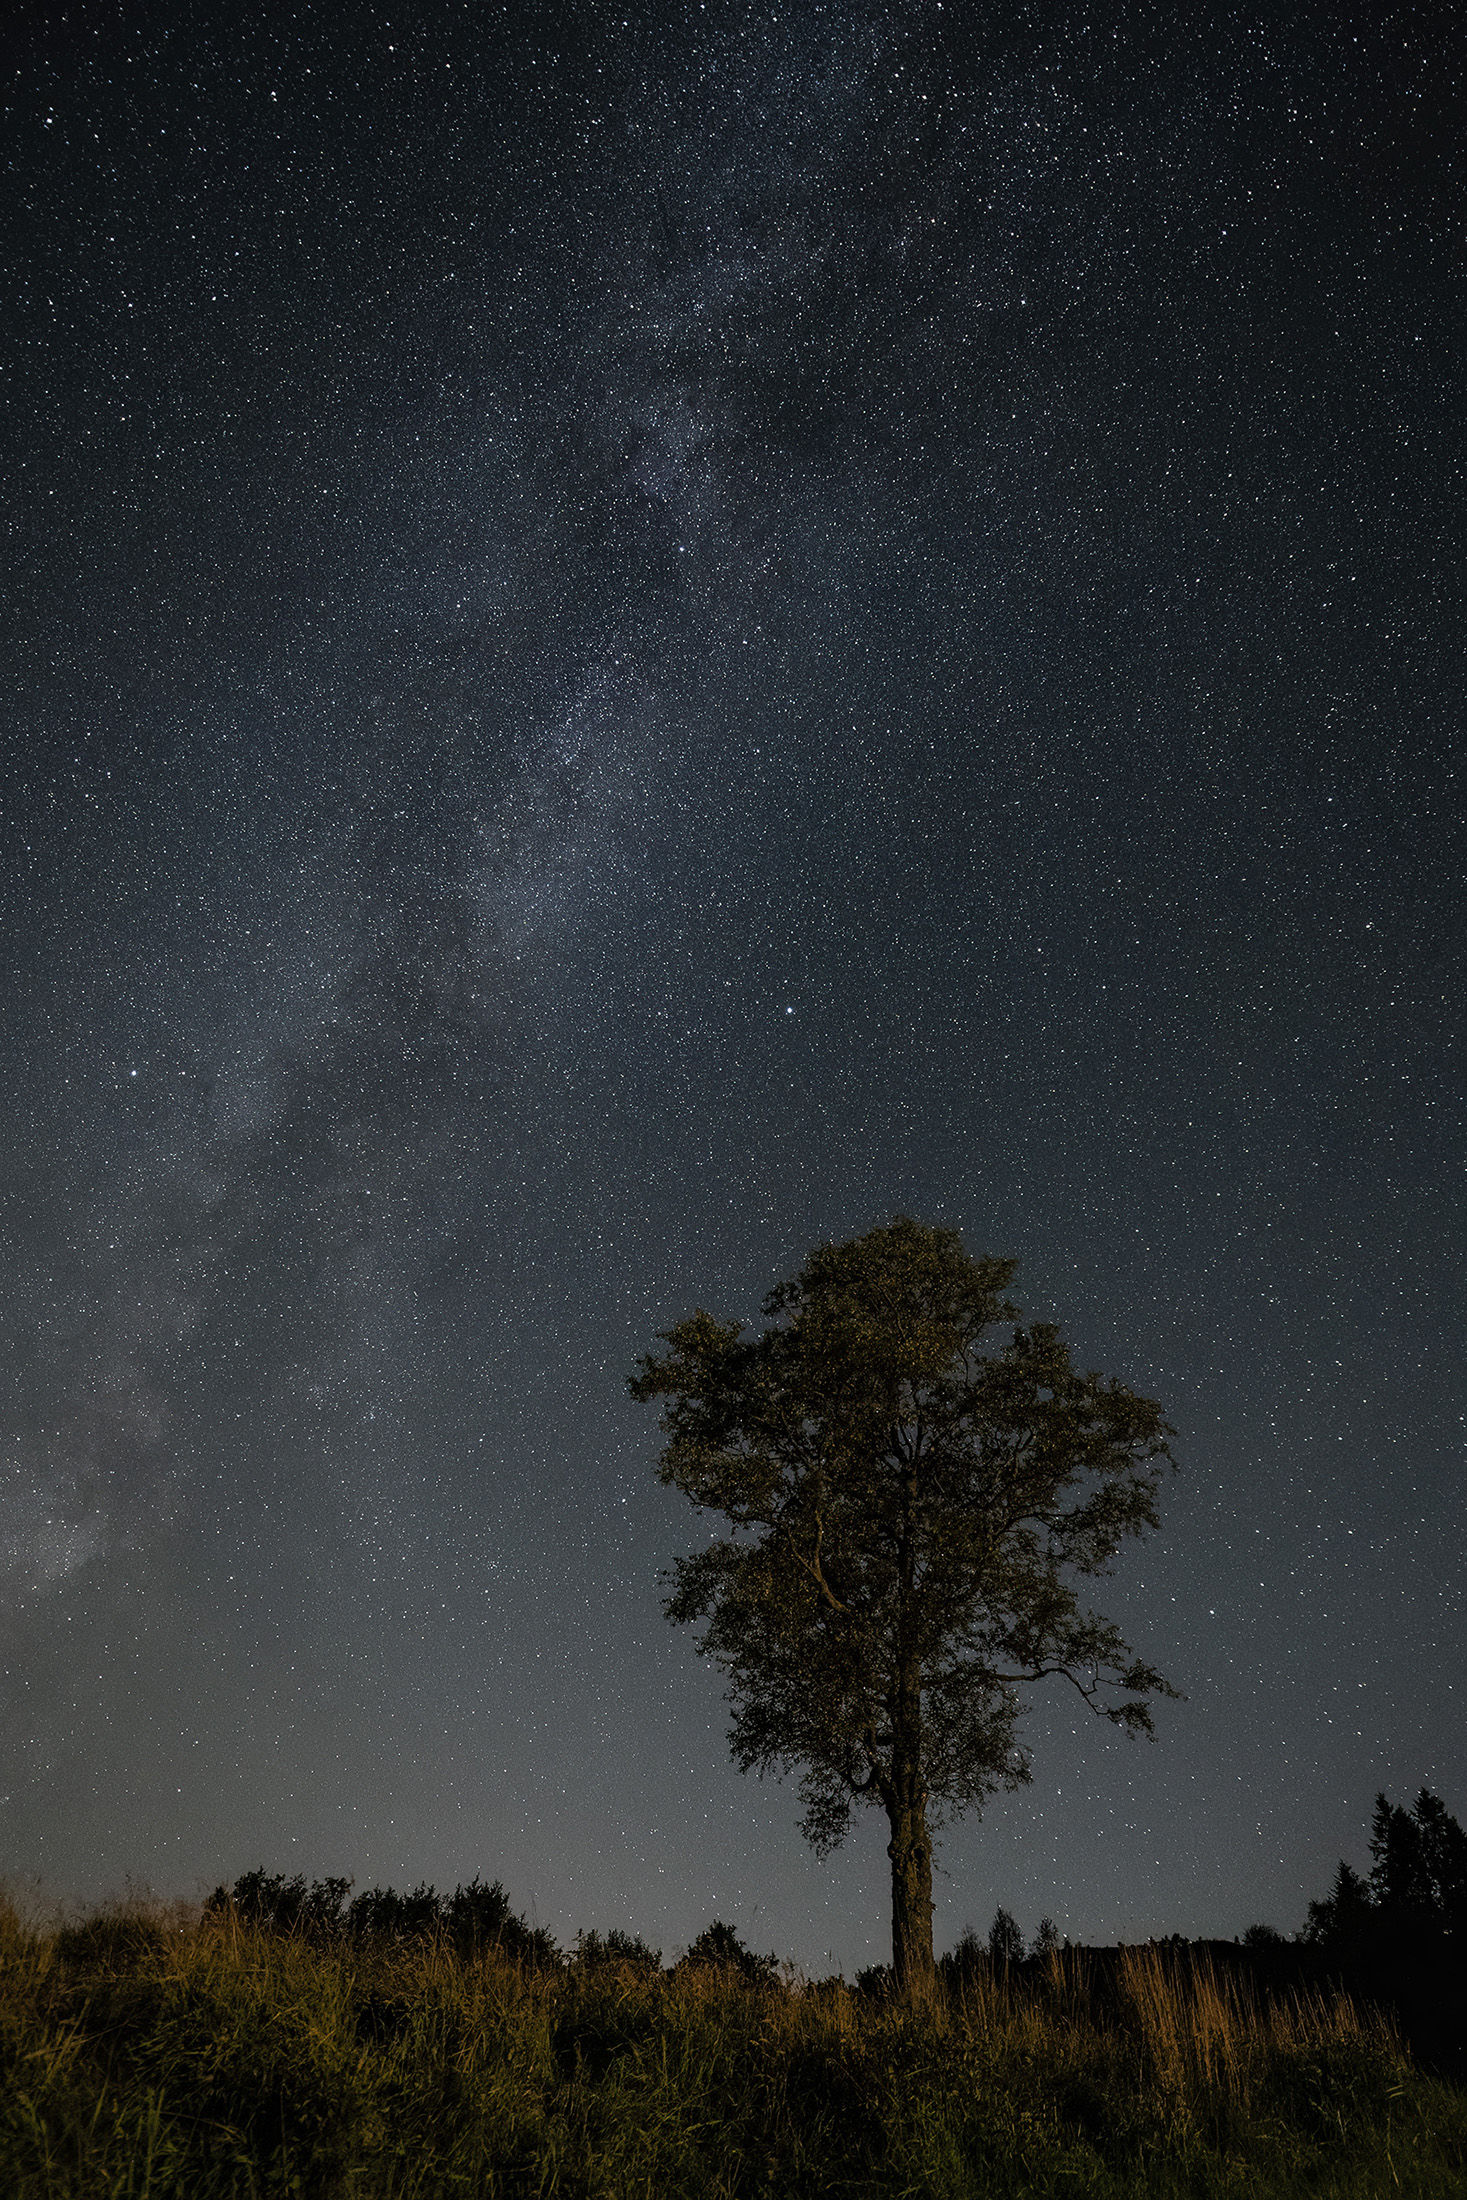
(634, 638)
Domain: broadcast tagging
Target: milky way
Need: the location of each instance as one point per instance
(634, 639)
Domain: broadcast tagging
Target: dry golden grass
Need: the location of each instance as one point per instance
(151, 2051)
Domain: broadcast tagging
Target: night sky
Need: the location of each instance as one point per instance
(634, 638)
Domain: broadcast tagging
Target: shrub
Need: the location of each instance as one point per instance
(616, 1951)
(718, 1948)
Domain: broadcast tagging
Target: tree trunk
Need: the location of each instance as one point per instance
(910, 1850)
(910, 1846)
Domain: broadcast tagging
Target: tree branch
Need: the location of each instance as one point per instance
(816, 1572)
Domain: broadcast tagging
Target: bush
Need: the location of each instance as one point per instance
(281, 1905)
(475, 1919)
(616, 1951)
(719, 1949)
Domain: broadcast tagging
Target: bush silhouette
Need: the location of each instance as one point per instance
(617, 1950)
(476, 1919)
(382, 1914)
(281, 1905)
(965, 1960)
(1005, 1941)
(718, 1948)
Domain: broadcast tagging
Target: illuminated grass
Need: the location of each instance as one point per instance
(149, 2053)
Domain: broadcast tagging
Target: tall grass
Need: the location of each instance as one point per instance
(149, 2053)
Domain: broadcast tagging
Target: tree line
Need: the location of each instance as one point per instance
(475, 1920)
(1417, 1880)
(1416, 1888)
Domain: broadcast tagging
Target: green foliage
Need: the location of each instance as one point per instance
(894, 1485)
(911, 1507)
(196, 2059)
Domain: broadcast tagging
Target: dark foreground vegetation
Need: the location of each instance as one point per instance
(288, 2043)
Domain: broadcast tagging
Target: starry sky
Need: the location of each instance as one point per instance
(635, 637)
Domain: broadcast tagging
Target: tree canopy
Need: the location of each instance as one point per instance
(911, 1506)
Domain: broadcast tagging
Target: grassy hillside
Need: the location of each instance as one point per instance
(157, 2054)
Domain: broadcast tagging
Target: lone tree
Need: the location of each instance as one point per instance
(908, 1503)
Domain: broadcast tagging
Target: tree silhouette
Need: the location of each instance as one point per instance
(1338, 1917)
(1418, 1878)
(1005, 1941)
(908, 1507)
(1419, 1859)
(473, 1918)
